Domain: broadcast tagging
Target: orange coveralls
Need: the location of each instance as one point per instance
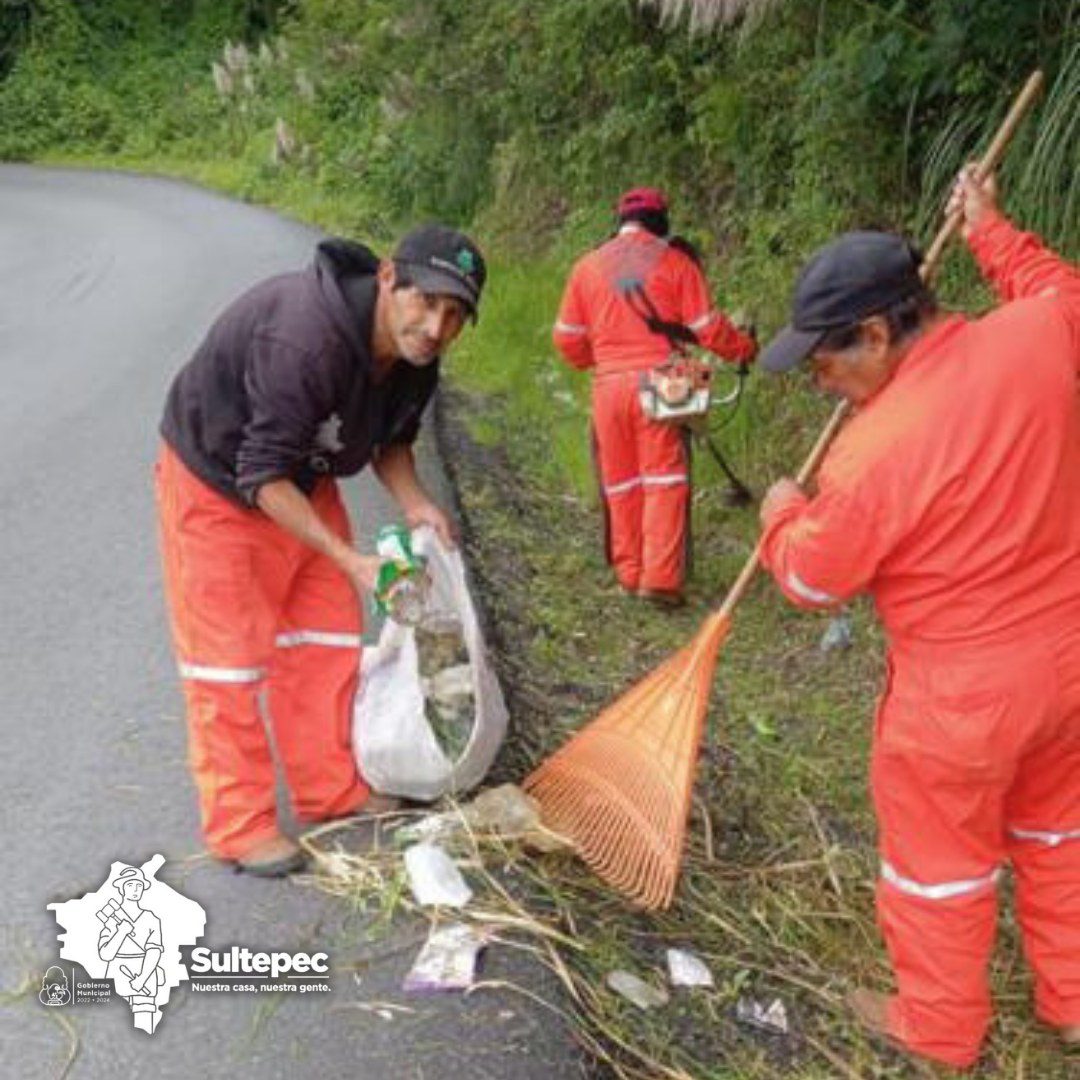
(953, 497)
(644, 476)
(252, 607)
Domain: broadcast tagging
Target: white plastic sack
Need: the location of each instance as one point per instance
(396, 750)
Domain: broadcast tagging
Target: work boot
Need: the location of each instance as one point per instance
(871, 1009)
(663, 597)
(273, 858)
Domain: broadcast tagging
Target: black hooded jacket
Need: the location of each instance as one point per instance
(282, 386)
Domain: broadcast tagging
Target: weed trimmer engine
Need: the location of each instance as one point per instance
(677, 391)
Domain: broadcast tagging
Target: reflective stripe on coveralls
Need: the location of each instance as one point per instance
(207, 673)
(1050, 838)
(647, 481)
(808, 592)
(254, 609)
(317, 637)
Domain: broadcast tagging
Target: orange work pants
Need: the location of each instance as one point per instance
(976, 762)
(645, 485)
(254, 611)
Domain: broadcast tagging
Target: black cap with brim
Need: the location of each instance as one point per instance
(857, 275)
(442, 283)
(789, 348)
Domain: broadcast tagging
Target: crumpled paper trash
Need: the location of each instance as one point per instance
(772, 1017)
(434, 878)
(505, 811)
(838, 634)
(687, 969)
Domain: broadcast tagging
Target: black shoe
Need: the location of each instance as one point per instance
(274, 858)
(663, 597)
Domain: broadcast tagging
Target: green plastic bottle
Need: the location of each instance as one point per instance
(402, 586)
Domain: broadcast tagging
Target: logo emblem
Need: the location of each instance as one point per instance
(54, 987)
(128, 931)
(466, 261)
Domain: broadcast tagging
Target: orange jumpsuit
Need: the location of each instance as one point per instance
(953, 497)
(644, 475)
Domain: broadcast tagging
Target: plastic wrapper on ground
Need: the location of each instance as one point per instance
(448, 960)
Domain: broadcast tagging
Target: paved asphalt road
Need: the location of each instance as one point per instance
(107, 282)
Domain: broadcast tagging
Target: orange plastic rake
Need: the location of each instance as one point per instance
(620, 789)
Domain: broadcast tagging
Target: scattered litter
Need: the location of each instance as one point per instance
(838, 634)
(772, 1017)
(637, 991)
(505, 812)
(687, 969)
(434, 878)
(447, 961)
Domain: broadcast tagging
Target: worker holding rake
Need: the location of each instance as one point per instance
(953, 498)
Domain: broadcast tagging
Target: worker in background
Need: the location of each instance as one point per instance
(643, 465)
(307, 377)
(953, 497)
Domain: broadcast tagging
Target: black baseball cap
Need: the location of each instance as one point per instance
(445, 262)
(850, 279)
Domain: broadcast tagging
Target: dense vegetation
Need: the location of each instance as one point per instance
(523, 121)
(821, 111)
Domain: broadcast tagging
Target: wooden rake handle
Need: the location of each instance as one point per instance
(983, 169)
